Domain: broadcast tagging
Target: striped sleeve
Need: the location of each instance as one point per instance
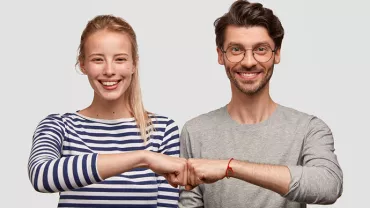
(48, 171)
(168, 196)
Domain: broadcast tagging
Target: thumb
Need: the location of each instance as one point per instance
(172, 180)
(166, 176)
(189, 187)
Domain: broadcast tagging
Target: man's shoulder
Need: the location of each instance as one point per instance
(292, 114)
(298, 118)
(207, 120)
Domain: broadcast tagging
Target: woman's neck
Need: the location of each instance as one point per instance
(107, 109)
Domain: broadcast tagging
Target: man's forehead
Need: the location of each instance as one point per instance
(247, 36)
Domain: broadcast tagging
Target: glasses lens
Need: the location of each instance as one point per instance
(262, 53)
(234, 54)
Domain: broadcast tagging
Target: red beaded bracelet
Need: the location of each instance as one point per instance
(228, 169)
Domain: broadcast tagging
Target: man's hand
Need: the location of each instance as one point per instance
(204, 171)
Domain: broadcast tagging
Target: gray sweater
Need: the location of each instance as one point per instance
(288, 137)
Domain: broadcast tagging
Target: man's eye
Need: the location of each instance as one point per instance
(261, 50)
(235, 49)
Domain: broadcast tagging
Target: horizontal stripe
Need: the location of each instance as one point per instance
(64, 155)
(119, 198)
(107, 205)
(114, 190)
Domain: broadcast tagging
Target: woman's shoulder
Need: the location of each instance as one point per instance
(163, 123)
(165, 126)
(157, 118)
(59, 118)
(51, 121)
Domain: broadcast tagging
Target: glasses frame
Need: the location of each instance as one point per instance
(245, 51)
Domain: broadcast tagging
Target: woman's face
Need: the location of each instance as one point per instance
(108, 64)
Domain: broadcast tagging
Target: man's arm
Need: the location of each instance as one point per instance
(318, 181)
(273, 177)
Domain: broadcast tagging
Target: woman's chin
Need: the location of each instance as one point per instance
(110, 96)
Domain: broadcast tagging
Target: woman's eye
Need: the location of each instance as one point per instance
(97, 59)
(121, 59)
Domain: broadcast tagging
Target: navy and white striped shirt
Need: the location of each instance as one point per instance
(64, 154)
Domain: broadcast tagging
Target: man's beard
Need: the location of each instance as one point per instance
(247, 90)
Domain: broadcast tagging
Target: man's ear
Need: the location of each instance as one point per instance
(277, 56)
(220, 55)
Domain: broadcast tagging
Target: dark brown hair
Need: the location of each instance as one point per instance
(245, 14)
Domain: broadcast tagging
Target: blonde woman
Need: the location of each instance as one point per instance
(112, 153)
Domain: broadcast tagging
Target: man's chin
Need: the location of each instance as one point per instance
(249, 88)
(249, 91)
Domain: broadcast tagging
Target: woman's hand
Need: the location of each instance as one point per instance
(174, 169)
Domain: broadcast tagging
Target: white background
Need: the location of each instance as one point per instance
(323, 71)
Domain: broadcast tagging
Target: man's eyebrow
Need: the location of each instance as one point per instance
(254, 45)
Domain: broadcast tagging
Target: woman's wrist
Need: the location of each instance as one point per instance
(144, 158)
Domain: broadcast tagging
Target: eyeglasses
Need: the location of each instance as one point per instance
(261, 53)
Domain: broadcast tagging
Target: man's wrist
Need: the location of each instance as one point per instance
(229, 170)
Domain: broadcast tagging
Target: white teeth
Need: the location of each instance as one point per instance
(109, 83)
(248, 74)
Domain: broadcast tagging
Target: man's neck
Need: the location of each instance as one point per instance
(251, 109)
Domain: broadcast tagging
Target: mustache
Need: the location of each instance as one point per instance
(246, 69)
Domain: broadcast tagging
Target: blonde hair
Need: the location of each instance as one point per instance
(133, 92)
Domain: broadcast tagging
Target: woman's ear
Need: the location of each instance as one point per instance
(82, 66)
(134, 68)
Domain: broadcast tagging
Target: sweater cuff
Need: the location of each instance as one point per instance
(94, 164)
(295, 177)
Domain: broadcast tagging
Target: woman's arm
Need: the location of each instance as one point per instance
(49, 172)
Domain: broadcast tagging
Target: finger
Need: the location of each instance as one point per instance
(188, 172)
(173, 185)
(189, 187)
(181, 174)
(167, 177)
(174, 179)
(192, 176)
(200, 179)
(185, 174)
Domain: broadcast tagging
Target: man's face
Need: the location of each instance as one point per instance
(248, 75)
